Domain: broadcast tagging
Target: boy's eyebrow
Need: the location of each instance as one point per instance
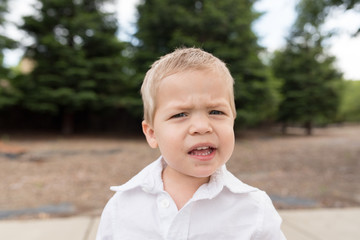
(184, 106)
(218, 104)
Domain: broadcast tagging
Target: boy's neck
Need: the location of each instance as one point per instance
(181, 187)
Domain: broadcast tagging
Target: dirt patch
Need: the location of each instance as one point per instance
(323, 169)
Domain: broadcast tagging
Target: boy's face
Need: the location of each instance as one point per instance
(193, 123)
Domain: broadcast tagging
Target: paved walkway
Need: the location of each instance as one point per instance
(327, 224)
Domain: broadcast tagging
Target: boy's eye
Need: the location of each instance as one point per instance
(216, 112)
(179, 115)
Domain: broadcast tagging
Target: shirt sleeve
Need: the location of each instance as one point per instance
(269, 227)
(105, 231)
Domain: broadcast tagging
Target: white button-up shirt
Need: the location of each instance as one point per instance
(224, 209)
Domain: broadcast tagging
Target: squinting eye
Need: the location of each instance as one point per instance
(216, 112)
(179, 115)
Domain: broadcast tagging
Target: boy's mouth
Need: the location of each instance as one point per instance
(201, 151)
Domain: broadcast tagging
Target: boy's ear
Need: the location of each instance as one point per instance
(149, 132)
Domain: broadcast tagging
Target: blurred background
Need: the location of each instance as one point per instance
(70, 108)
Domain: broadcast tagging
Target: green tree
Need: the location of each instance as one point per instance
(316, 12)
(220, 27)
(350, 104)
(79, 61)
(311, 83)
(8, 94)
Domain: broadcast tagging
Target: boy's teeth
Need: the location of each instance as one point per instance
(202, 151)
(202, 148)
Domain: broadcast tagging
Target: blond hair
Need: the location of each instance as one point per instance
(180, 60)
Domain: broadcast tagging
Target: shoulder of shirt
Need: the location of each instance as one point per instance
(235, 185)
(141, 179)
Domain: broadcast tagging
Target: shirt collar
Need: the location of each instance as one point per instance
(149, 179)
(221, 179)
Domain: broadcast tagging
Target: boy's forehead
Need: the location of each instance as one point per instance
(183, 80)
(214, 77)
(189, 71)
(190, 103)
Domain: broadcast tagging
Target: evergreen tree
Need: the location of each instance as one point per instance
(222, 28)
(79, 62)
(316, 12)
(350, 104)
(311, 87)
(8, 94)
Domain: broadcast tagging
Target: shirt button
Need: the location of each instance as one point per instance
(165, 203)
(146, 189)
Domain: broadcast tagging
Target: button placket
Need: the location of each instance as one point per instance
(179, 228)
(164, 203)
(167, 212)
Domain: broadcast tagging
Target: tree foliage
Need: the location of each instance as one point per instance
(311, 83)
(78, 59)
(5, 42)
(310, 87)
(220, 27)
(316, 12)
(8, 94)
(350, 105)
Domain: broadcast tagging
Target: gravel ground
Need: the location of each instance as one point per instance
(297, 171)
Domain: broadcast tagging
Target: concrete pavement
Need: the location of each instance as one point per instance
(313, 224)
(74, 228)
(319, 224)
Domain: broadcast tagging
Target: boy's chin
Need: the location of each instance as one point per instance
(204, 174)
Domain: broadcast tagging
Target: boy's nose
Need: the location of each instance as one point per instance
(200, 125)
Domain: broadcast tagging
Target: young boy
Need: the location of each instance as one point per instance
(187, 193)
